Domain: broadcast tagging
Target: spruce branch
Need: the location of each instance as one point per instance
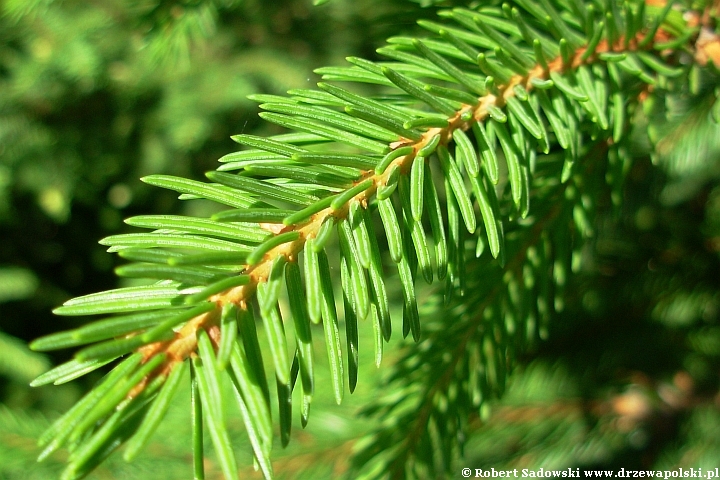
(371, 180)
(348, 155)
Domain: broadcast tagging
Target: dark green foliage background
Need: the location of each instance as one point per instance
(95, 95)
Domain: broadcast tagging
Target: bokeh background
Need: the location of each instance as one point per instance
(96, 94)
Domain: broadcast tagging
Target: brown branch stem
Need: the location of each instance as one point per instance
(184, 344)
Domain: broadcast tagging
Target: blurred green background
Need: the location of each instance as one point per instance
(94, 95)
